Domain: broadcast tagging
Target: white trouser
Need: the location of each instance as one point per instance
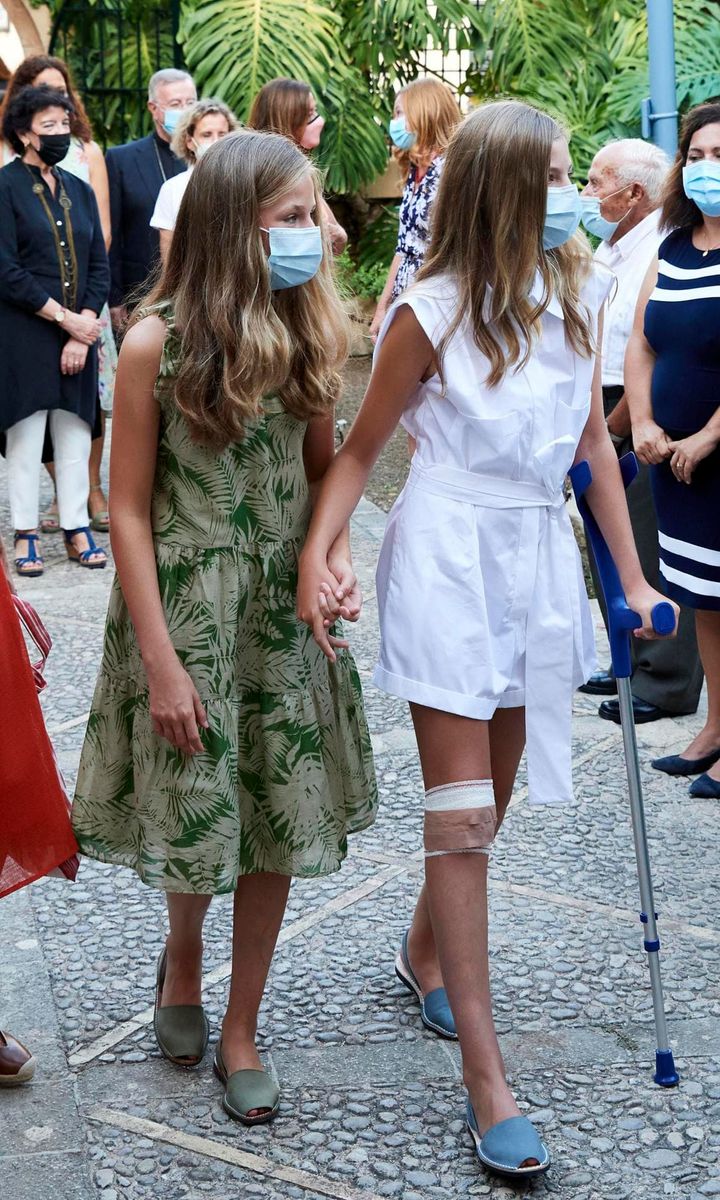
(71, 448)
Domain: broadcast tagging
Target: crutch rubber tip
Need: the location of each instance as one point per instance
(665, 1073)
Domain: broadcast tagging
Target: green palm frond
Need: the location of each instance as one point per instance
(697, 60)
(520, 43)
(388, 36)
(233, 47)
(354, 145)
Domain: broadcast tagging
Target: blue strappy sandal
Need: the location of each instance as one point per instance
(435, 1011)
(508, 1144)
(84, 558)
(31, 564)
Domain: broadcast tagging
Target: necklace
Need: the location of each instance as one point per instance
(709, 248)
(68, 270)
(159, 161)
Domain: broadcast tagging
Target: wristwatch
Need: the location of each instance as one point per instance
(60, 315)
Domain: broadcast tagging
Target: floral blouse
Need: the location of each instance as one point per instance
(414, 232)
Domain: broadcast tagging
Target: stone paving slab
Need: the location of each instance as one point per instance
(372, 1103)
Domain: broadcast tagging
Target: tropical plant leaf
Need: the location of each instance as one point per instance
(387, 37)
(354, 144)
(234, 47)
(377, 245)
(697, 61)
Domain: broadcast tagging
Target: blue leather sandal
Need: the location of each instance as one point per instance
(85, 558)
(505, 1145)
(31, 564)
(435, 1011)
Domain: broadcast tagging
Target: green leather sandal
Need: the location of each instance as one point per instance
(245, 1091)
(181, 1030)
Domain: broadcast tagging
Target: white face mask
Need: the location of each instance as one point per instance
(200, 148)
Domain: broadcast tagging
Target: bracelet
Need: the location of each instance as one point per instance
(616, 438)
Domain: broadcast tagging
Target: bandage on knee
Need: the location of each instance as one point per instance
(460, 818)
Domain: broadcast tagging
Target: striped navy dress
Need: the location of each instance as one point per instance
(682, 326)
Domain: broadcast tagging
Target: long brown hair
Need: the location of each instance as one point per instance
(25, 76)
(432, 113)
(487, 224)
(241, 341)
(678, 211)
(281, 106)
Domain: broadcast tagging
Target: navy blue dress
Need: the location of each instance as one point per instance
(682, 326)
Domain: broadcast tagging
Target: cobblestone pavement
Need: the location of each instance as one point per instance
(372, 1103)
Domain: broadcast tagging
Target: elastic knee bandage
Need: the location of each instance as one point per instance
(460, 818)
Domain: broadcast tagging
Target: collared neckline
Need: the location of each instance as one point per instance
(629, 242)
(537, 293)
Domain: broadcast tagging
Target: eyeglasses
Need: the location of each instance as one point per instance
(314, 117)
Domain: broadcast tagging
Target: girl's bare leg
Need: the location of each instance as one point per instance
(259, 909)
(183, 971)
(507, 739)
(455, 749)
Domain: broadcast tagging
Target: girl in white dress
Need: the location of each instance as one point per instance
(489, 362)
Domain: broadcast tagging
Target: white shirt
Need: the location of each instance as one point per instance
(480, 590)
(628, 259)
(167, 205)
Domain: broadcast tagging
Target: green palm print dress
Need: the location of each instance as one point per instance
(287, 770)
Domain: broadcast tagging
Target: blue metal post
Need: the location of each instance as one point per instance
(659, 113)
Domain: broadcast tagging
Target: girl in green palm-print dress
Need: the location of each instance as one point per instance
(224, 753)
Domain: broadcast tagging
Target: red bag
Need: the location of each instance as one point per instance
(35, 832)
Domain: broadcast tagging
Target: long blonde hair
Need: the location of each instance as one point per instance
(241, 341)
(487, 225)
(432, 113)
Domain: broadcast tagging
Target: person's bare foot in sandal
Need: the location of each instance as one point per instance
(98, 509)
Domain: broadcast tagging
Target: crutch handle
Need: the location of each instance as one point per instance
(621, 618)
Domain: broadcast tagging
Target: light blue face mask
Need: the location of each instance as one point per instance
(594, 221)
(400, 134)
(295, 255)
(701, 182)
(562, 215)
(171, 119)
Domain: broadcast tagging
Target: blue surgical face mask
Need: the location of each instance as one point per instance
(701, 182)
(295, 255)
(562, 215)
(400, 134)
(594, 221)
(171, 118)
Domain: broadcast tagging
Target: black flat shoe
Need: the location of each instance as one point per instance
(675, 764)
(705, 788)
(602, 683)
(609, 710)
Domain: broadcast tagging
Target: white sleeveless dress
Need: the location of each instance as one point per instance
(480, 587)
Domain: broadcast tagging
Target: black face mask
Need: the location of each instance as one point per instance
(53, 147)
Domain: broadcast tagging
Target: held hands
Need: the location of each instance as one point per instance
(687, 453)
(642, 600)
(85, 329)
(175, 706)
(73, 357)
(650, 442)
(327, 591)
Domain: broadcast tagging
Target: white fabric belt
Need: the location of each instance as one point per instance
(485, 491)
(547, 600)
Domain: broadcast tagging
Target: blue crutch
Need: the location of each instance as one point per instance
(621, 620)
